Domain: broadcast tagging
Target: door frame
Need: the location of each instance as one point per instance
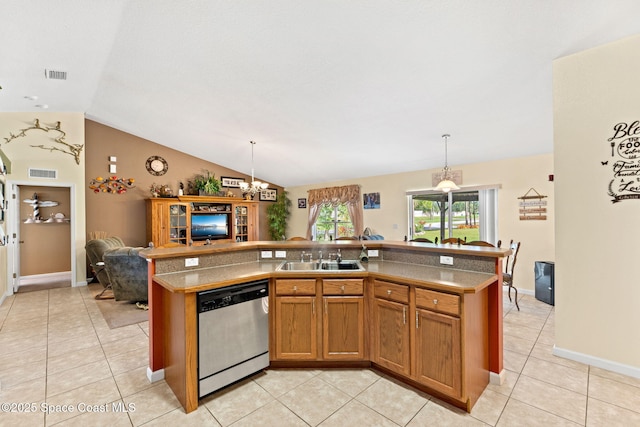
(13, 228)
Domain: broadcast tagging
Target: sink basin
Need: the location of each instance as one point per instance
(351, 265)
(298, 266)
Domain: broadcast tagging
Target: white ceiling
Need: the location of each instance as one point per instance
(329, 90)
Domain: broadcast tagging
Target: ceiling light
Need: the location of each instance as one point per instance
(31, 97)
(446, 184)
(43, 106)
(256, 186)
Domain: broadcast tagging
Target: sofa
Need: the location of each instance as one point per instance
(119, 267)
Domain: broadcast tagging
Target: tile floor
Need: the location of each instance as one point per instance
(59, 359)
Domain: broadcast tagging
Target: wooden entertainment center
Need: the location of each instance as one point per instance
(169, 220)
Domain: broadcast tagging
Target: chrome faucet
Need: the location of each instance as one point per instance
(320, 256)
(339, 256)
(303, 254)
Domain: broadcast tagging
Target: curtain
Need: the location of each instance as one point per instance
(348, 194)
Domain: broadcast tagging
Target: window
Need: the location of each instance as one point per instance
(468, 214)
(333, 222)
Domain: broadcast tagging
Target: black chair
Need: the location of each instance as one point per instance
(510, 264)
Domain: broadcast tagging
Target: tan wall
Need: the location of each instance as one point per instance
(123, 215)
(515, 176)
(597, 266)
(70, 174)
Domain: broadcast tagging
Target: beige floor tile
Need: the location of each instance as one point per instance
(233, 403)
(98, 416)
(101, 392)
(439, 414)
(273, 414)
(67, 334)
(74, 359)
(22, 419)
(394, 400)
(614, 376)
(560, 375)
(518, 345)
(79, 376)
(26, 391)
(125, 345)
(520, 414)
(59, 348)
(151, 403)
(355, 414)
(605, 414)
(350, 381)
(129, 361)
(9, 378)
(510, 329)
(198, 418)
(489, 407)
(314, 401)
(545, 352)
(279, 381)
(509, 382)
(548, 397)
(133, 381)
(614, 392)
(514, 361)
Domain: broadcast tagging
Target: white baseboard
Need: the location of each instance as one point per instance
(36, 279)
(630, 371)
(497, 379)
(155, 376)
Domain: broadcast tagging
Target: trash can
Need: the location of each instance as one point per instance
(545, 283)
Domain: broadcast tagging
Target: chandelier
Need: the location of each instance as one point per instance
(446, 184)
(256, 186)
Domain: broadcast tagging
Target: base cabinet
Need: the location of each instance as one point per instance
(343, 336)
(295, 319)
(390, 342)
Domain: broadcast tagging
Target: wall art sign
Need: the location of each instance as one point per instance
(532, 207)
(624, 162)
(230, 182)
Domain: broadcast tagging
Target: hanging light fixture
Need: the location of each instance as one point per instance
(446, 184)
(256, 186)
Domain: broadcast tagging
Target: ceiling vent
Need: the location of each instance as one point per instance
(43, 173)
(55, 74)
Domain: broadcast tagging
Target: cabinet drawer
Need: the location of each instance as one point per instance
(295, 287)
(438, 301)
(391, 291)
(342, 287)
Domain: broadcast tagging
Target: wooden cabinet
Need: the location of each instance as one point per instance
(331, 310)
(390, 341)
(295, 319)
(169, 219)
(343, 319)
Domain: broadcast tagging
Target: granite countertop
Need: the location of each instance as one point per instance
(446, 279)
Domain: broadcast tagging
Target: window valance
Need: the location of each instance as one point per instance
(335, 195)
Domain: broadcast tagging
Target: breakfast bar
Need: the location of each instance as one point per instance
(436, 326)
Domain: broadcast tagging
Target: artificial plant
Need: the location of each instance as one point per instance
(277, 214)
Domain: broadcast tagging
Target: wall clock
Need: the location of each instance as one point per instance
(157, 166)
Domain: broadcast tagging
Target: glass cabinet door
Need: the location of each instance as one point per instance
(241, 224)
(178, 223)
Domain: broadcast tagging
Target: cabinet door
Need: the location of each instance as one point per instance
(391, 335)
(438, 355)
(343, 328)
(178, 223)
(296, 328)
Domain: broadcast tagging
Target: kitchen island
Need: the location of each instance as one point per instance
(437, 327)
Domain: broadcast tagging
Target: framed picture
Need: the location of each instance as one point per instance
(268, 195)
(229, 182)
(302, 203)
(371, 201)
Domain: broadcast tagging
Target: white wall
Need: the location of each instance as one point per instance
(597, 266)
(515, 176)
(23, 156)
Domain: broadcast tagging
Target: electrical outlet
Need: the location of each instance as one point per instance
(281, 254)
(446, 260)
(191, 262)
(266, 254)
(372, 252)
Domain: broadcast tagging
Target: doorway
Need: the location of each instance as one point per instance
(43, 251)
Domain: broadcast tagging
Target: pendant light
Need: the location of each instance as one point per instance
(446, 184)
(256, 186)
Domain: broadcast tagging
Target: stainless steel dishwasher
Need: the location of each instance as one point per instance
(233, 334)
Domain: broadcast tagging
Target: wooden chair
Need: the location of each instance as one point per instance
(423, 240)
(347, 238)
(510, 264)
(296, 238)
(457, 240)
(480, 243)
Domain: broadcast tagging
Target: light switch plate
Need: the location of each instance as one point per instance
(191, 262)
(372, 252)
(266, 254)
(448, 260)
(112, 168)
(281, 254)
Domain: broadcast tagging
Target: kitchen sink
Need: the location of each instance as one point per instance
(347, 265)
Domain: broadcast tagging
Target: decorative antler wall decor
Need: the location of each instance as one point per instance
(71, 149)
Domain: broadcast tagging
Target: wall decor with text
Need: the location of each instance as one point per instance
(532, 207)
(624, 162)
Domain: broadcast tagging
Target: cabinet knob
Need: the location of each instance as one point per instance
(295, 288)
(435, 302)
(342, 288)
(388, 291)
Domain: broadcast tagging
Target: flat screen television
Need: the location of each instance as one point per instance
(210, 225)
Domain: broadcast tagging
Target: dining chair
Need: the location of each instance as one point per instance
(510, 264)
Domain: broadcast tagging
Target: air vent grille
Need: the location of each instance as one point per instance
(43, 173)
(55, 74)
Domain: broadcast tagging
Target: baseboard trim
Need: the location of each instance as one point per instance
(630, 371)
(155, 376)
(36, 279)
(497, 379)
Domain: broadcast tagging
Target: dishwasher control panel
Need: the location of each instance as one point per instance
(231, 295)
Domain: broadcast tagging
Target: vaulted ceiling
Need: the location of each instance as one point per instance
(329, 90)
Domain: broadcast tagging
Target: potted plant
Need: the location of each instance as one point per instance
(206, 184)
(277, 214)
